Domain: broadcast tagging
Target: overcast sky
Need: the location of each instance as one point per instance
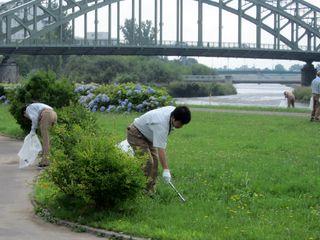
(190, 17)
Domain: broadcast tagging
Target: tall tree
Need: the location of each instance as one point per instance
(279, 68)
(296, 67)
(133, 35)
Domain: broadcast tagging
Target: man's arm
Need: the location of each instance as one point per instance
(162, 158)
(166, 172)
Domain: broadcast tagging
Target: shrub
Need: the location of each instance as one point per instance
(183, 89)
(68, 117)
(2, 92)
(220, 89)
(123, 97)
(87, 165)
(40, 87)
(126, 78)
(302, 94)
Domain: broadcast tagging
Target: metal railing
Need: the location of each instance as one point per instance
(123, 43)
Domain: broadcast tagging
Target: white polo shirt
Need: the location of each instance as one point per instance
(315, 85)
(33, 111)
(155, 125)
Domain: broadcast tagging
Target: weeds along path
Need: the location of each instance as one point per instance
(17, 219)
(294, 114)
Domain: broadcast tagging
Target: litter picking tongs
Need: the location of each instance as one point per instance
(179, 194)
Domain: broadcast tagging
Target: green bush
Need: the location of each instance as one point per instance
(183, 89)
(126, 78)
(69, 116)
(40, 87)
(302, 94)
(2, 92)
(220, 89)
(87, 165)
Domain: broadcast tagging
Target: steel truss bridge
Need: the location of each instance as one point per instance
(294, 26)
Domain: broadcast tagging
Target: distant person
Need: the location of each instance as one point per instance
(44, 116)
(290, 98)
(148, 134)
(315, 87)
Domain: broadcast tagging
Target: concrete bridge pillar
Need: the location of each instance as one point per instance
(308, 73)
(9, 71)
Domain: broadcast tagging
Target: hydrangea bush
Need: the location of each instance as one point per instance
(4, 100)
(3, 97)
(122, 97)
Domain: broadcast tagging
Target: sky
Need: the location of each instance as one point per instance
(190, 17)
(190, 29)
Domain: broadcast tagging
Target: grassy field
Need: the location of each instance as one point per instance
(8, 125)
(244, 177)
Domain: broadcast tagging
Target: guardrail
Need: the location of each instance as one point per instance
(120, 43)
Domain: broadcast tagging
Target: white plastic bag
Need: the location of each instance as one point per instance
(311, 103)
(125, 147)
(29, 151)
(283, 104)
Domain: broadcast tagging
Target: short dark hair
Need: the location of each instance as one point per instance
(182, 114)
(23, 109)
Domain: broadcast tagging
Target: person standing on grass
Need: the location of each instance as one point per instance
(315, 87)
(290, 98)
(44, 116)
(148, 134)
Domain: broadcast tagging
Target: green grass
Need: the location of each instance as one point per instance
(8, 125)
(244, 177)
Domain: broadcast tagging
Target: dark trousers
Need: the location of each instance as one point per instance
(316, 107)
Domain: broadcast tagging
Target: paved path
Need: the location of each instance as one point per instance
(17, 219)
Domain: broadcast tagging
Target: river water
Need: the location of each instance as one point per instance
(262, 95)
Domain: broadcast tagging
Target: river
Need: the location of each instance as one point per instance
(262, 95)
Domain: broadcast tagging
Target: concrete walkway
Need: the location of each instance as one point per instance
(17, 219)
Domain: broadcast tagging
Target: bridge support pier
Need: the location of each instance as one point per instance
(308, 73)
(9, 71)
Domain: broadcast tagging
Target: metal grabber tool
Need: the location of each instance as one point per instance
(179, 194)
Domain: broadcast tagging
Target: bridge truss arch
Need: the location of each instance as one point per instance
(293, 24)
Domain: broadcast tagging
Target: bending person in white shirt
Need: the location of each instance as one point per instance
(44, 116)
(149, 133)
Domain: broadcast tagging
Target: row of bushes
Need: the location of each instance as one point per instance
(86, 165)
(122, 97)
(182, 89)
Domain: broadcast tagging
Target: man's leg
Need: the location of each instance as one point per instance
(154, 168)
(142, 146)
(317, 109)
(48, 119)
(315, 100)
